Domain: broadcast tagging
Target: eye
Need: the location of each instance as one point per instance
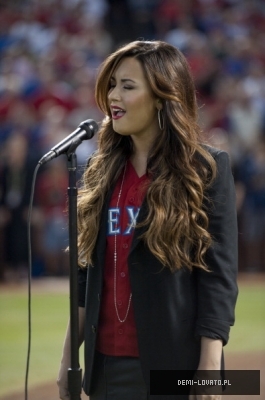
(112, 83)
(128, 87)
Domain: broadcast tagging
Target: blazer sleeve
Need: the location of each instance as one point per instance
(217, 290)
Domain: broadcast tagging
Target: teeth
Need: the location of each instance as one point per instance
(118, 111)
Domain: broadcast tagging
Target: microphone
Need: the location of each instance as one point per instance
(86, 130)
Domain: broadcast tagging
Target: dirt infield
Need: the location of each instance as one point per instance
(233, 361)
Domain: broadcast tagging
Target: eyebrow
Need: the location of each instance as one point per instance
(123, 80)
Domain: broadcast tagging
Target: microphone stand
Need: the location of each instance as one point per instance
(74, 372)
(86, 130)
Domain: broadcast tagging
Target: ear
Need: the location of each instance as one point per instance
(159, 104)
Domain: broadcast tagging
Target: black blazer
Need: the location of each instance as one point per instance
(173, 310)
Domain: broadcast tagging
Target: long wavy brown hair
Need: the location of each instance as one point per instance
(180, 166)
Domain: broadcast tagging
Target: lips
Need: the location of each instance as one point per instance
(117, 112)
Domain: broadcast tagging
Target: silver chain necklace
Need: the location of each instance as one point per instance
(115, 262)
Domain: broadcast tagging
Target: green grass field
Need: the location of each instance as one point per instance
(248, 333)
(49, 318)
(50, 312)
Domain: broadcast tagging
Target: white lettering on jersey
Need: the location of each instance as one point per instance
(114, 227)
(132, 214)
(113, 221)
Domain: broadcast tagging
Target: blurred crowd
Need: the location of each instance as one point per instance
(49, 54)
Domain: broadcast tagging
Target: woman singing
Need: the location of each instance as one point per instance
(157, 233)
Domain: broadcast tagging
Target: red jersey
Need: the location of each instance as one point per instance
(117, 338)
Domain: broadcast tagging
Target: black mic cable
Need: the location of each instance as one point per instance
(29, 277)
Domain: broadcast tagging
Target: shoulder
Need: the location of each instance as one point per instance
(221, 157)
(215, 153)
(222, 187)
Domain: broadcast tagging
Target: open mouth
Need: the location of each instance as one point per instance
(117, 112)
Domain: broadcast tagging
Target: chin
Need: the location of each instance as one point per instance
(122, 132)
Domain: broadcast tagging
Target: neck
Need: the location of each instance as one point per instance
(140, 154)
(139, 162)
(139, 159)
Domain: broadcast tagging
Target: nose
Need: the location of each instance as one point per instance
(114, 94)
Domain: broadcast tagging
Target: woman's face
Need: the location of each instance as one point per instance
(132, 103)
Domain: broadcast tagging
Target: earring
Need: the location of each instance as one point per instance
(160, 119)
